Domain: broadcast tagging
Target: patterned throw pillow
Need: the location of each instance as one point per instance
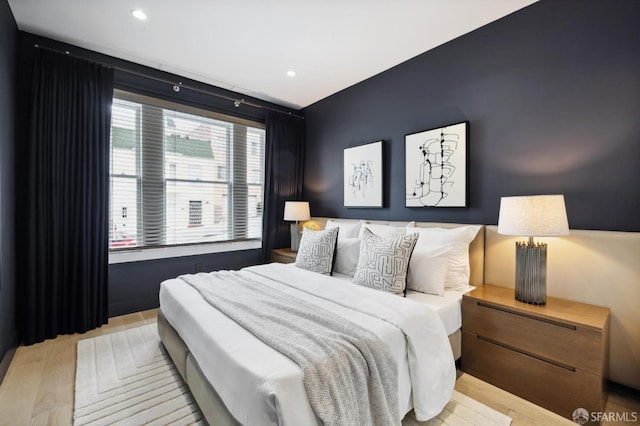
(383, 262)
(317, 250)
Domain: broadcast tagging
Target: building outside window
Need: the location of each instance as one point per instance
(222, 172)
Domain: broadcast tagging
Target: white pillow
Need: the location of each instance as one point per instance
(428, 269)
(347, 229)
(384, 231)
(383, 262)
(458, 272)
(317, 250)
(347, 253)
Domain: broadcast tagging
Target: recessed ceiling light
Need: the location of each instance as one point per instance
(139, 14)
(291, 73)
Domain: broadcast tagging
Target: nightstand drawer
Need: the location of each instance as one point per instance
(562, 343)
(554, 355)
(556, 388)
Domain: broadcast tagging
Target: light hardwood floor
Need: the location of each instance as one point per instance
(38, 387)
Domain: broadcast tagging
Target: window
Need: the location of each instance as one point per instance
(181, 175)
(195, 212)
(222, 172)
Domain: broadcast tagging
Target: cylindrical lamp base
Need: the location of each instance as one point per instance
(531, 273)
(295, 237)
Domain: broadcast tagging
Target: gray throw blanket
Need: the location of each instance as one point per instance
(349, 374)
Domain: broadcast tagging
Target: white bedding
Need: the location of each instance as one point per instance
(261, 386)
(448, 307)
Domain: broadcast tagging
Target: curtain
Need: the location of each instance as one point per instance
(65, 289)
(284, 168)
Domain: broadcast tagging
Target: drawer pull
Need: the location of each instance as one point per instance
(520, 351)
(535, 318)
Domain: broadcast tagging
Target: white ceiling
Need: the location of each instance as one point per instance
(248, 45)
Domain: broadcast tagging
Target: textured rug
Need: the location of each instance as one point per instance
(128, 378)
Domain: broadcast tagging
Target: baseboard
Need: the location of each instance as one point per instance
(134, 305)
(6, 362)
(621, 389)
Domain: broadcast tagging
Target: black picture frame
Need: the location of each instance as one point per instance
(436, 167)
(363, 180)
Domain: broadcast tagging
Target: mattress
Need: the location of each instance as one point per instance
(261, 386)
(448, 307)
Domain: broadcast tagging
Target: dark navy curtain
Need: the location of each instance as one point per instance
(284, 168)
(67, 198)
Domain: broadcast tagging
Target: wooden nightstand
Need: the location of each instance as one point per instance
(283, 255)
(555, 355)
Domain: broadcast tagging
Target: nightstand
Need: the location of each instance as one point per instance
(283, 255)
(554, 355)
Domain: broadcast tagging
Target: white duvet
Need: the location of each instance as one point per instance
(260, 386)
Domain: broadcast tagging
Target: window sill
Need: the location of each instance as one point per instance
(168, 252)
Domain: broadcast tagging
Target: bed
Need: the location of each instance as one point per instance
(238, 379)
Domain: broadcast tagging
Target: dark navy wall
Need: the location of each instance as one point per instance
(134, 286)
(8, 43)
(552, 94)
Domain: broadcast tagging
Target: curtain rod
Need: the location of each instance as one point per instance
(177, 87)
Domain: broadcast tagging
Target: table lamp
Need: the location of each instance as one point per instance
(532, 216)
(296, 210)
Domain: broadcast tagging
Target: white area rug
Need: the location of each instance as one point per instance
(128, 378)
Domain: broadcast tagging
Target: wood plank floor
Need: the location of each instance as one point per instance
(38, 388)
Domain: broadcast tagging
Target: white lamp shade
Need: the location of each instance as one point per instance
(296, 210)
(533, 216)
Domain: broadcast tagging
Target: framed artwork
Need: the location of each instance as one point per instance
(363, 175)
(436, 167)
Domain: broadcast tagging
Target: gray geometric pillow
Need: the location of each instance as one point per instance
(383, 262)
(317, 250)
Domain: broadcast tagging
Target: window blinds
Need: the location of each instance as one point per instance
(181, 175)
